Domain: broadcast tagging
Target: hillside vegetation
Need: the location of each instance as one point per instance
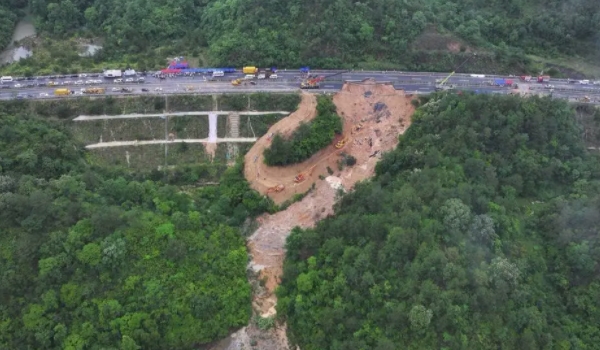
(415, 35)
(308, 139)
(478, 232)
(91, 258)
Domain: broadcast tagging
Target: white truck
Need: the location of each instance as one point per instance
(113, 73)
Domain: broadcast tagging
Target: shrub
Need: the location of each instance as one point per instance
(308, 139)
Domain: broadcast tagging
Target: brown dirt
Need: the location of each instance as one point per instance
(355, 104)
(382, 128)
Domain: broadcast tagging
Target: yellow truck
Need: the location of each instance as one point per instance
(62, 92)
(94, 90)
(250, 70)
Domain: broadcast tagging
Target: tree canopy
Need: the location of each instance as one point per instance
(326, 33)
(92, 259)
(478, 232)
(308, 138)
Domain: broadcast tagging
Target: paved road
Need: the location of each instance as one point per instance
(414, 82)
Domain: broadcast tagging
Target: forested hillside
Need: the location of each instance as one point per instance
(330, 33)
(92, 258)
(479, 232)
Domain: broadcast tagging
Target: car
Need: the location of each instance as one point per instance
(97, 81)
(52, 77)
(43, 94)
(89, 82)
(78, 93)
(20, 97)
(129, 80)
(31, 78)
(61, 76)
(18, 86)
(118, 81)
(261, 76)
(79, 82)
(30, 84)
(158, 89)
(4, 86)
(273, 76)
(252, 82)
(83, 75)
(141, 80)
(115, 89)
(145, 90)
(20, 78)
(73, 75)
(249, 76)
(67, 82)
(94, 75)
(52, 83)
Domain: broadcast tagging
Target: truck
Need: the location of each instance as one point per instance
(250, 70)
(113, 73)
(62, 92)
(543, 79)
(94, 90)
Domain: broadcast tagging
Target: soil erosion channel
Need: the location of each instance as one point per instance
(373, 115)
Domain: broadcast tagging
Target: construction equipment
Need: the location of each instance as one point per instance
(585, 99)
(341, 143)
(276, 189)
(299, 178)
(94, 91)
(236, 82)
(442, 84)
(313, 82)
(63, 92)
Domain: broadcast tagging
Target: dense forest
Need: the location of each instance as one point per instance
(308, 138)
(91, 258)
(480, 231)
(327, 33)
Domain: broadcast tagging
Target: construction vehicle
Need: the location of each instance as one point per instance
(313, 82)
(94, 91)
(341, 143)
(236, 82)
(63, 92)
(442, 84)
(299, 178)
(275, 189)
(585, 99)
(250, 70)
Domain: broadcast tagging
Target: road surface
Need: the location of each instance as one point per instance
(288, 81)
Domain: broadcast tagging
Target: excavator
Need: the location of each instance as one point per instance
(341, 143)
(313, 82)
(236, 82)
(441, 84)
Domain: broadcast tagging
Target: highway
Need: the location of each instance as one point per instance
(288, 81)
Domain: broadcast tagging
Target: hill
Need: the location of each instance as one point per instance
(478, 232)
(100, 258)
(406, 35)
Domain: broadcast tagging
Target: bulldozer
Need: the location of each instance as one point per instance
(341, 143)
(236, 82)
(276, 189)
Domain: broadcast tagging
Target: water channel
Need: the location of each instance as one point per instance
(12, 53)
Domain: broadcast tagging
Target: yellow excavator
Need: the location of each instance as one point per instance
(441, 85)
(236, 82)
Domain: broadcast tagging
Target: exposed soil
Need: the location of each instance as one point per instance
(384, 114)
(355, 104)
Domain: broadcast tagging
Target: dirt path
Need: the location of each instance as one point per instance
(384, 114)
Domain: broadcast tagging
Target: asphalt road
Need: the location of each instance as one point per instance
(413, 82)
